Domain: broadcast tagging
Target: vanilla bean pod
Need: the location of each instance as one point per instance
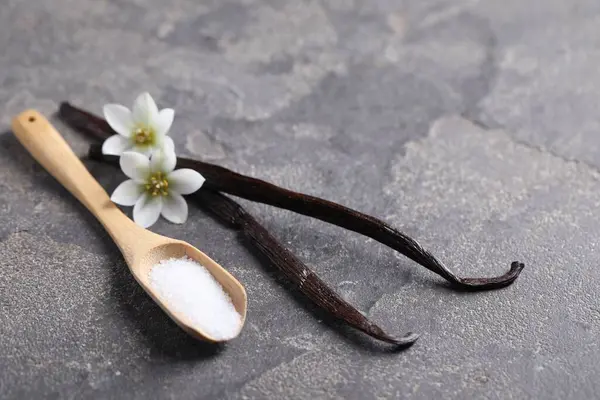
(231, 214)
(227, 181)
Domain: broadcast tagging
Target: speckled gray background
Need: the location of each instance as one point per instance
(471, 125)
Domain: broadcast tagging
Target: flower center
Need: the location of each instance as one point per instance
(143, 136)
(157, 184)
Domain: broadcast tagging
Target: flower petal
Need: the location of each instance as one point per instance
(135, 165)
(163, 121)
(163, 160)
(143, 150)
(167, 143)
(147, 210)
(115, 145)
(127, 193)
(119, 118)
(145, 110)
(185, 181)
(175, 208)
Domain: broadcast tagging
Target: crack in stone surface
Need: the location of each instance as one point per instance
(537, 148)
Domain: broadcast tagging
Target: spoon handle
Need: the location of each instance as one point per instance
(49, 148)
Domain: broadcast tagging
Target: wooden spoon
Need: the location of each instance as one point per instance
(141, 248)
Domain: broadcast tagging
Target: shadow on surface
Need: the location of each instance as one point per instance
(350, 335)
(12, 150)
(161, 334)
(223, 218)
(165, 338)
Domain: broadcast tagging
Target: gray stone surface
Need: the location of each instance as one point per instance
(471, 125)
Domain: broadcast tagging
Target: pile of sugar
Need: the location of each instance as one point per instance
(192, 291)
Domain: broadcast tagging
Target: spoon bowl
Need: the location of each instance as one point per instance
(163, 249)
(141, 248)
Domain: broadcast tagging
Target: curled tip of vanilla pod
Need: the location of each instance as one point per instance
(498, 282)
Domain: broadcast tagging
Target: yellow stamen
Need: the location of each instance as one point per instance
(157, 184)
(143, 135)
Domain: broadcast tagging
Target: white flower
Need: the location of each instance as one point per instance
(143, 130)
(154, 188)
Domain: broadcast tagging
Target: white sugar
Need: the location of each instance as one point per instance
(192, 291)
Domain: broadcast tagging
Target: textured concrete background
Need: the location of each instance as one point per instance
(471, 125)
